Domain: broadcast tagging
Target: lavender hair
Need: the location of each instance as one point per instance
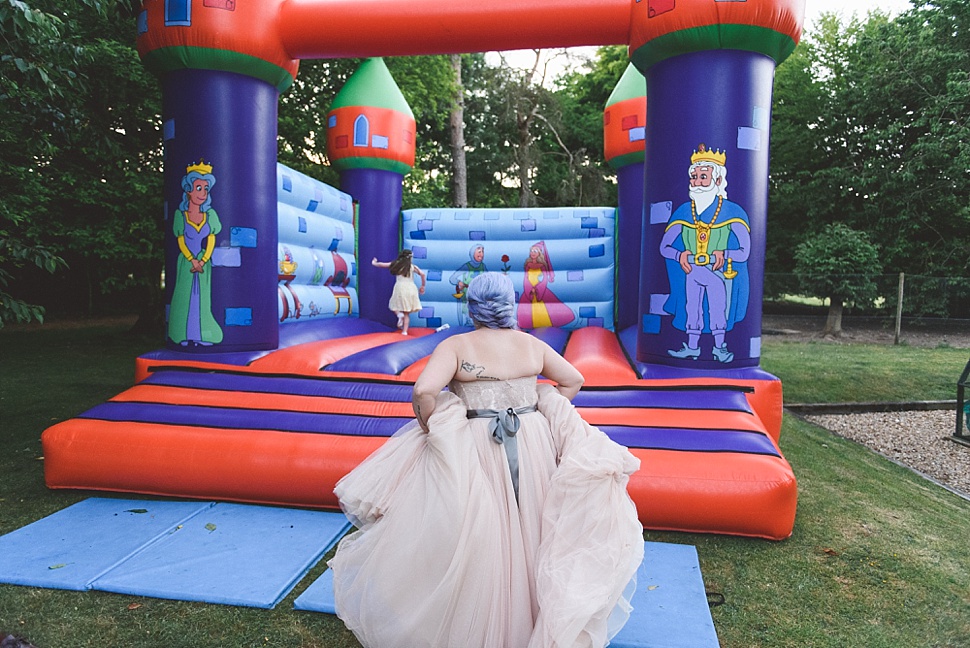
(491, 301)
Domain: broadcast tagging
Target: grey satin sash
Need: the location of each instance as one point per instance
(503, 428)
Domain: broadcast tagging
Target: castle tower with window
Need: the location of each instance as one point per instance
(624, 126)
(370, 125)
(370, 141)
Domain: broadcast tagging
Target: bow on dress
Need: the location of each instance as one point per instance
(503, 428)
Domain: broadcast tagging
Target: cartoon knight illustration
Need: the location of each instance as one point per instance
(461, 277)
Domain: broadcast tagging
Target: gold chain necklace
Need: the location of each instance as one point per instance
(704, 232)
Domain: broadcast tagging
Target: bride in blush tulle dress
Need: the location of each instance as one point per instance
(498, 518)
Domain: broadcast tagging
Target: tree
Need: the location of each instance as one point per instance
(796, 159)
(303, 108)
(488, 143)
(109, 217)
(37, 85)
(909, 99)
(427, 83)
(584, 177)
(534, 140)
(86, 185)
(456, 122)
(813, 180)
(869, 128)
(527, 106)
(838, 263)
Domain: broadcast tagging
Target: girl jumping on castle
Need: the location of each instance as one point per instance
(405, 297)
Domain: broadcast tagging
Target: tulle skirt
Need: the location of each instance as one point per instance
(446, 555)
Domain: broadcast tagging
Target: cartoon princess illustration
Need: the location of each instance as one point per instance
(538, 306)
(190, 320)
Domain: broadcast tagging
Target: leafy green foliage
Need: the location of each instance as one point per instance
(15, 254)
(584, 176)
(838, 263)
(427, 84)
(870, 126)
(108, 207)
(38, 82)
(537, 141)
(302, 125)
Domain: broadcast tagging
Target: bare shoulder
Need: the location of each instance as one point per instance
(449, 345)
(534, 342)
(525, 346)
(523, 340)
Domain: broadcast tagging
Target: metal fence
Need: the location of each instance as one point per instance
(901, 296)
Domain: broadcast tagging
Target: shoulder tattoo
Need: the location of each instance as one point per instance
(477, 370)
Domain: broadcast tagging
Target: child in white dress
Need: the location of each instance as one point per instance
(405, 297)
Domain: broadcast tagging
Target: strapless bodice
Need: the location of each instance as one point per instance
(496, 394)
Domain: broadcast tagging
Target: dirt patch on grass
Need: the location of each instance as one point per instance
(870, 330)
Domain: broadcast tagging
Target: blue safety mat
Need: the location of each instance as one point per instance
(669, 607)
(232, 554)
(319, 596)
(189, 551)
(71, 548)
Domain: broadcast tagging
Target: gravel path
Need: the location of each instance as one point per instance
(918, 439)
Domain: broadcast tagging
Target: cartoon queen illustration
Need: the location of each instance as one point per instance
(190, 320)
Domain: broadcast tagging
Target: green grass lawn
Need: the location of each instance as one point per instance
(821, 372)
(878, 557)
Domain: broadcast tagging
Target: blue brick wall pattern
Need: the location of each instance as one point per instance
(579, 243)
(239, 317)
(243, 237)
(316, 243)
(306, 194)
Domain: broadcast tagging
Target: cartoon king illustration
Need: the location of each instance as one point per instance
(706, 246)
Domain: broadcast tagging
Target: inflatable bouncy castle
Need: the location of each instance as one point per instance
(282, 367)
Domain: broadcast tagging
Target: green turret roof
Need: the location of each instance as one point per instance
(372, 85)
(631, 85)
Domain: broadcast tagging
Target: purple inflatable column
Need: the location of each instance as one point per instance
(225, 139)
(220, 86)
(702, 258)
(370, 140)
(378, 194)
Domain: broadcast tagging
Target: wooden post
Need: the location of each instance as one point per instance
(899, 307)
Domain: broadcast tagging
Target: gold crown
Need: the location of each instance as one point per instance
(201, 167)
(702, 154)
